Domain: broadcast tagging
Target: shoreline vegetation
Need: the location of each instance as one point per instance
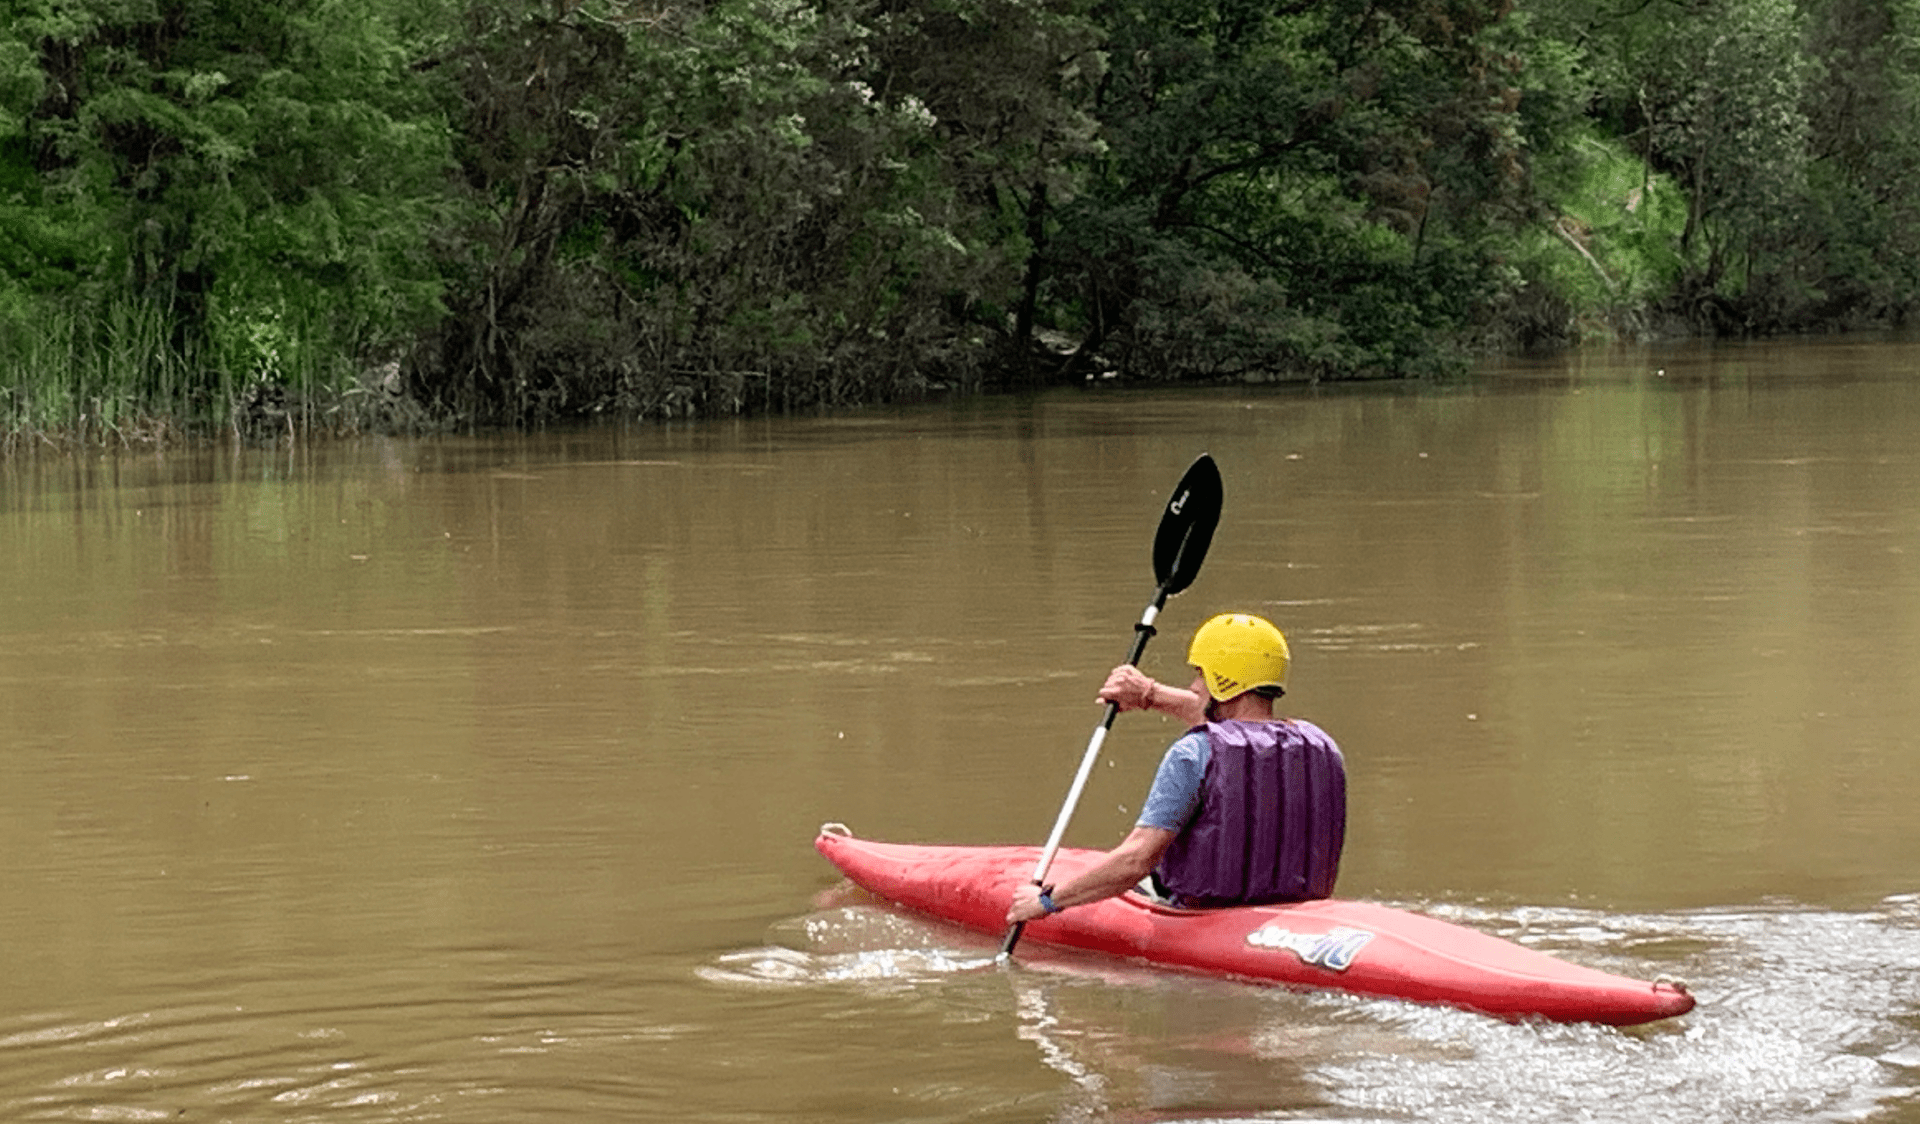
(331, 216)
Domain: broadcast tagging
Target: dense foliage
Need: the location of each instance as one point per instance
(253, 214)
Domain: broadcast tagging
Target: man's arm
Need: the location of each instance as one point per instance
(1131, 689)
(1121, 869)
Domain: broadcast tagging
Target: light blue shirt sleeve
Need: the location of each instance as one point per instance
(1175, 794)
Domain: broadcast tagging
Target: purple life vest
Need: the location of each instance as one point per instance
(1271, 823)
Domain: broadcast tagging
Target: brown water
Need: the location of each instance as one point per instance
(474, 779)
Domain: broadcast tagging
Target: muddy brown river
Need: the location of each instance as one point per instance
(474, 779)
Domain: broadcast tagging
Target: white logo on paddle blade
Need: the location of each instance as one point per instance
(1334, 950)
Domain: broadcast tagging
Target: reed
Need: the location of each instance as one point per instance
(122, 370)
(89, 370)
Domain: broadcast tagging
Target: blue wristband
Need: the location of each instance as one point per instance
(1046, 901)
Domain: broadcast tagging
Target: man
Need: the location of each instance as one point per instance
(1246, 808)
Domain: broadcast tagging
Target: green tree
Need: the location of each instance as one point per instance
(1789, 130)
(1724, 100)
(1857, 244)
(756, 203)
(266, 175)
(1301, 189)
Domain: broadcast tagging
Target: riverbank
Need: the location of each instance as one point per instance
(228, 221)
(126, 398)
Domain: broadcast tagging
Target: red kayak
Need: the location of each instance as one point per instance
(1353, 946)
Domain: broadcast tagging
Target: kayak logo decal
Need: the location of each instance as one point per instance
(1333, 950)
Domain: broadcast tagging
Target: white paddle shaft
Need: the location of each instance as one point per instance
(1086, 770)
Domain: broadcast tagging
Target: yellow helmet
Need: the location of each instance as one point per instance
(1236, 652)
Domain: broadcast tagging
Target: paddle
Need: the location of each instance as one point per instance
(1180, 545)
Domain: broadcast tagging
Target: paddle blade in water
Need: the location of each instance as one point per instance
(1186, 527)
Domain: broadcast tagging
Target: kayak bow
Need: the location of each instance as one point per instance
(1352, 946)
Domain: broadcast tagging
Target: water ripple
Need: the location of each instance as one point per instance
(1804, 1015)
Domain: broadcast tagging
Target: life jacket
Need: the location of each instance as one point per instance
(1271, 822)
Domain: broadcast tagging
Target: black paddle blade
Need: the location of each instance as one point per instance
(1186, 527)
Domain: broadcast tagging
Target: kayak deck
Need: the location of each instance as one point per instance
(1348, 945)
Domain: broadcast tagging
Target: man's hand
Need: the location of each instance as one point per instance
(1026, 905)
(1129, 688)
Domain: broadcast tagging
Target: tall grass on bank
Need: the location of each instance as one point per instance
(92, 372)
(123, 371)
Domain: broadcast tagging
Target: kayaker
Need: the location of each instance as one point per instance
(1246, 807)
